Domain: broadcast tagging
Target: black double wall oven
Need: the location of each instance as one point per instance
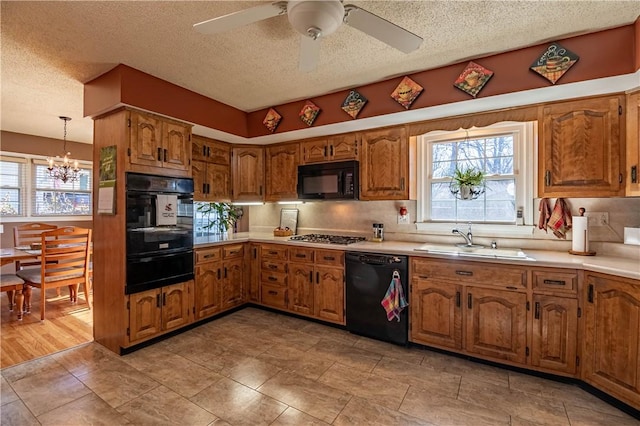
(159, 231)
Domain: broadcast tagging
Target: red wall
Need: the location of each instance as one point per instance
(602, 54)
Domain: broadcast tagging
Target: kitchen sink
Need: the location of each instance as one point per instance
(473, 251)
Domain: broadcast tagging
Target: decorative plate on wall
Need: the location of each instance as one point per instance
(406, 92)
(473, 78)
(271, 120)
(309, 112)
(554, 62)
(353, 103)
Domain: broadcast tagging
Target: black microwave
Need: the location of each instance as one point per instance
(329, 181)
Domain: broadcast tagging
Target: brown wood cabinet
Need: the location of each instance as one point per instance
(156, 311)
(281, 175)
(334, 148)
(208, 290)
(247, 169)
(384, 165)
(554, 336)
(303, 280)
(476, 308)
(581, 148)
(611, 350)
(633, 144)
(158, 143)
(211, 169)
(252, 289)
(232, 276)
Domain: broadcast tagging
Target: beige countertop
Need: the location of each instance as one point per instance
(614, 265)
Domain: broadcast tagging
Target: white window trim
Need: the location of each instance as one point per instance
(29, 188)
(525, 166)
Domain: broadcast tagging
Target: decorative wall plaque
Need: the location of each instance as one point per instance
(554, 62)
(406, 92)
(353, 103)
(271, 120)
(309, 112)
(473, 78)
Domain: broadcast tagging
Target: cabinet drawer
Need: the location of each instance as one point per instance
(273, 295)
(330, 257)
(208, 255)
(274, 252)
(268, 265)
(471, 273)
(232, 251)
(556, 280)
(299, 254)
(275, 278)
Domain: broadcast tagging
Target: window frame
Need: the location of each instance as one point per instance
(525, 164)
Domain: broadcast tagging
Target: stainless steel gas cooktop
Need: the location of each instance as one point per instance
(327, 239)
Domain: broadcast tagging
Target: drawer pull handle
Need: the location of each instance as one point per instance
(208, 256)
(233, 252)
(272, 279)
(273, 252)
(554, 282)
(273, 266)
(300, 255)
(510, 287)
(465, 273)
(426, 277)
(329, 258)
(273, 292)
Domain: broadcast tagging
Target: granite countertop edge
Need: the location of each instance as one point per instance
(612, 265)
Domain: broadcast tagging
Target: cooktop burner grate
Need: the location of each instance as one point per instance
(327, 239)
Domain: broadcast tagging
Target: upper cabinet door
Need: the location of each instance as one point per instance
(633, 144)
(176, 141)
(282, 172)
(343, 147)
(580, 149)
(384, 165)
(314, 151)
(248, 173)
(146, 140)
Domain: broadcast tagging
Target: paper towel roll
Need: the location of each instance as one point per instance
(580, 241)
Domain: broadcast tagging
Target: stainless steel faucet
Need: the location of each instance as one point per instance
(468, 237)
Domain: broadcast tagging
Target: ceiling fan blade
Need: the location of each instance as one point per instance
(309, 53)
(241, 18)
(381, 29)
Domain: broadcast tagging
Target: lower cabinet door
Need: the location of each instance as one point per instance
(175, 306)
(329, 294)
(145, 315)
(301, 288)
(208, 289)
(436, 315)
(496, 323)
(232, 288)
(555, 331)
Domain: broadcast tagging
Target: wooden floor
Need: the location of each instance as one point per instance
(66, 325)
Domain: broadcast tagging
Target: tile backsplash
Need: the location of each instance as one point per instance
(357, 217)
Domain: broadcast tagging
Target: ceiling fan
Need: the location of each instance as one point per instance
(315, 19)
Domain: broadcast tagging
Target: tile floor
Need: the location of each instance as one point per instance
(255, 367)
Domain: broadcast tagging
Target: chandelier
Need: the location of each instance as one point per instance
(64, 171)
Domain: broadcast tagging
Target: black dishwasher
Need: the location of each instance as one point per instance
(368, 278)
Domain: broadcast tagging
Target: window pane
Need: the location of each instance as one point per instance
(500, 146)
(10, 202)
(500, 166)
(471, 210)
(501, 211)
(443, 210)
(54, 197)
(503, 189)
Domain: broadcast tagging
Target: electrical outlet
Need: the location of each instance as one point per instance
(403, 220)
(598, 218)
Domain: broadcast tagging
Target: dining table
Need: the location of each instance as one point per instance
(10, 283)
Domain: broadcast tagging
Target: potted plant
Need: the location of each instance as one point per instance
(222, 216)
(467, 184)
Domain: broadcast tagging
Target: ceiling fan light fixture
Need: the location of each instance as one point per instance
(315, 18)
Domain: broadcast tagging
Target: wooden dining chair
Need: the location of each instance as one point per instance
(25, 235)
(64, 262)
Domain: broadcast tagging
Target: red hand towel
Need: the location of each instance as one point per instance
(560, 220)
(545, 214)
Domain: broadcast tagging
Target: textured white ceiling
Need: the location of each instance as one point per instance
(51, 48)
